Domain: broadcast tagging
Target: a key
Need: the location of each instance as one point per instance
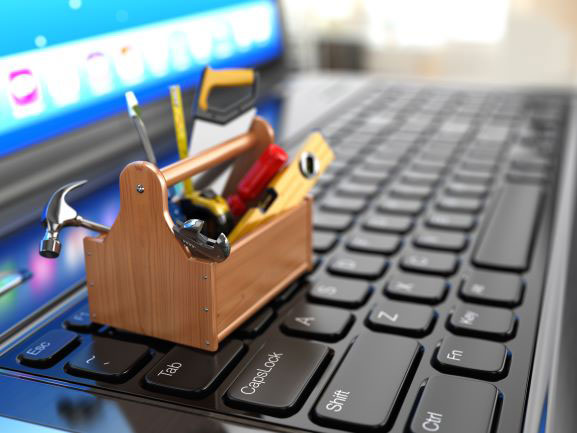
(452, 404)
(478, 166)
(428, 167)
(192, 372)
(401, 206)
(507, 236)
(257, 324)
(80, 321)
(472, 357)
(441, 240)
(108, 359)
(323, 242)
(317, 322)
(358, 265)
(459, 204)
(334, 203)
(493, 288)
(484, 322)
(467, 190)
(367, 386)
(331, 221)
(402, 318)
(376, 243)
(277, 378)
(417, 288)
(451, 221)
(420, 192)
(341, 292)
(49, 349)
(429, 262)
(388, 223)
(362, 190)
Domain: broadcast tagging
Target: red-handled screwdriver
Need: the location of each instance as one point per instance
(257, 178)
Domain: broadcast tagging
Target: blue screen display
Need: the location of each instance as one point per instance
(66, 63)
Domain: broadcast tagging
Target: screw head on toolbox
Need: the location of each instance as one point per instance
(140, 188)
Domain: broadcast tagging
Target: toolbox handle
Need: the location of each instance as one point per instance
(218, 154)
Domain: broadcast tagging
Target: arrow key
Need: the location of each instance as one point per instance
(402, 318)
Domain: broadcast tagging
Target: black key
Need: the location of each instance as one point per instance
(80, 321)
(484, 322)
(467, 190)
(472, 357)
(478, 177)
(460, 204)
(507, 236)
(317, 322)
(361, 175)
(441, 240)
(323, 242)
(429, 262)
(493, 288)
(430, 290)
(108, 359)
(343, 204)
(362, 190)
(368, 385)
(451, 221)
(388, 223)
(456, 405)
(331, 221)
(400, 206)
(411, 191)
(192, 372)
(417, 178)
(49, 349)
(287, 294)
(358, 265)
(277, 378)
(342, 292)
(257, 324)
(402, 318)
(374, 242)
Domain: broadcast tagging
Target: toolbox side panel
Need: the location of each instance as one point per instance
(261, 265)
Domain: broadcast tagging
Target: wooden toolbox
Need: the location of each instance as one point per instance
(142, 279)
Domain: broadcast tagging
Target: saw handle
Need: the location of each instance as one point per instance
(212, 78)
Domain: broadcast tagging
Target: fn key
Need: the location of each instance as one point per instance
(455, 405)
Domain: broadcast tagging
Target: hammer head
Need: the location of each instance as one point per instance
(57, 215)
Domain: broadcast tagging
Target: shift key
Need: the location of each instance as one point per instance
(277, 378)
(365, 390)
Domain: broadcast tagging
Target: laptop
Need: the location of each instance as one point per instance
(441, 298)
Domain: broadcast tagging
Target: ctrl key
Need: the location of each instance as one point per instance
(454, 405)
(277, 378)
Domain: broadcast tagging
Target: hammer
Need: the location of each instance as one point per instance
(59, 214)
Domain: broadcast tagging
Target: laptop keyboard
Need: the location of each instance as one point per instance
(431, 233)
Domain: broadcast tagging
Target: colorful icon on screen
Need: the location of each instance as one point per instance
(98, 72)
(130, 65)
(25, 93)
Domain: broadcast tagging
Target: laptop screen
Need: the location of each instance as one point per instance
(68, 63)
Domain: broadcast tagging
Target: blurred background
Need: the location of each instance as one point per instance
(486, 41)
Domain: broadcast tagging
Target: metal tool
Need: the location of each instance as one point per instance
(59, 214)
(190, 235)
